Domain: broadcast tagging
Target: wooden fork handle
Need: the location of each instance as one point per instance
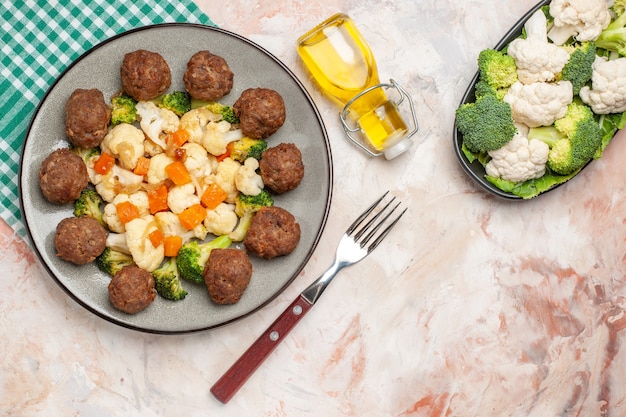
(244, 367)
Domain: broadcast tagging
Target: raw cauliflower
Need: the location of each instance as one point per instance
(156, 171)
(181, 197)
(582, 19)
(110, 217)
(156, 122)
(536, 59)
(144, 254)
(247, 180)
(170, 225)
(608, 81)
(124, 142)
(222, 220)
(539, 104)
(520, 159)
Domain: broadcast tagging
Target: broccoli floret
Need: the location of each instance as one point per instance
(193, 256)
(497, 69)
(613, 38)
(486, 125)
(579, 68)
(227, 112)
(177, 101)
(85, 153)
(89, 204)
(167, 281)
(112, 261)
(619, 7)
(123, 109)
(573, 140)
(247, 148)
(245, 207)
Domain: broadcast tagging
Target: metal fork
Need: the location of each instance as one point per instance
(361, 238)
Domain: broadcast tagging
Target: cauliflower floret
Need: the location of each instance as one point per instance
(156, 121)
(206, 129)
(156, 171)
(181, 197)
(583, 19)
(170, 225)
(221, 220)
(608, 81)
(124, 142)
(225, 178)
(536, 59)
(197, 161)
(247, 180)
(144, 254)
(539, 104)
(110, 217)
(117, 180)
(520, 159)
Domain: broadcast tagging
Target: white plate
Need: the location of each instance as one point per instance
(253, 67)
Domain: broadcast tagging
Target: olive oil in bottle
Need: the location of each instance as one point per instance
(341, 62)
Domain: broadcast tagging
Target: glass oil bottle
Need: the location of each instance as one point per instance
(341, 62)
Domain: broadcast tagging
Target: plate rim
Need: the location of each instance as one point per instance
(328, 194)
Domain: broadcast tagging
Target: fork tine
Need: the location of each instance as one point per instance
(386, 231)
(376, 226)
(363, 215)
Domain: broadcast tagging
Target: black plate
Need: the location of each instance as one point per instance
(253, 67)
(474, 169)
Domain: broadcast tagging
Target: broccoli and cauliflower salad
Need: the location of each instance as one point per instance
(170, 179)
(551, 100)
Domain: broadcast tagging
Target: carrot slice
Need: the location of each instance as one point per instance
(126, 211)
(213, 196)
(104, 163)
(192, 216)
(172, 245)
(157, 199)
(178, 173)
(143, 164)
(156, 237)
(180, 137)
(229, 149)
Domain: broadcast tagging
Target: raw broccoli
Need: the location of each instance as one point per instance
(227, 112)
(85, 153)
(613, 38)
(245, 207)
(247, 148)
(123, 109)
(112, 261)
(486, 125)
(193, 256)
(573, 140)
(497, 69)
(89, 204)
(167, 281)
(177, 101)
(579, 68)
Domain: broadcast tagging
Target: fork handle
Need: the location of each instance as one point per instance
(244, 367)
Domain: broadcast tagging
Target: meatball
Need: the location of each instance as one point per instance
(79, 240)
(273, 232)
(62, 176)
(227, 275)
(208, 76)
(281, 167)
(86, 117)
(145, 75)
(261, 112)
(132, 289)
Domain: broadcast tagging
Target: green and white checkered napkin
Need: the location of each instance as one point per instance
(40, 38)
